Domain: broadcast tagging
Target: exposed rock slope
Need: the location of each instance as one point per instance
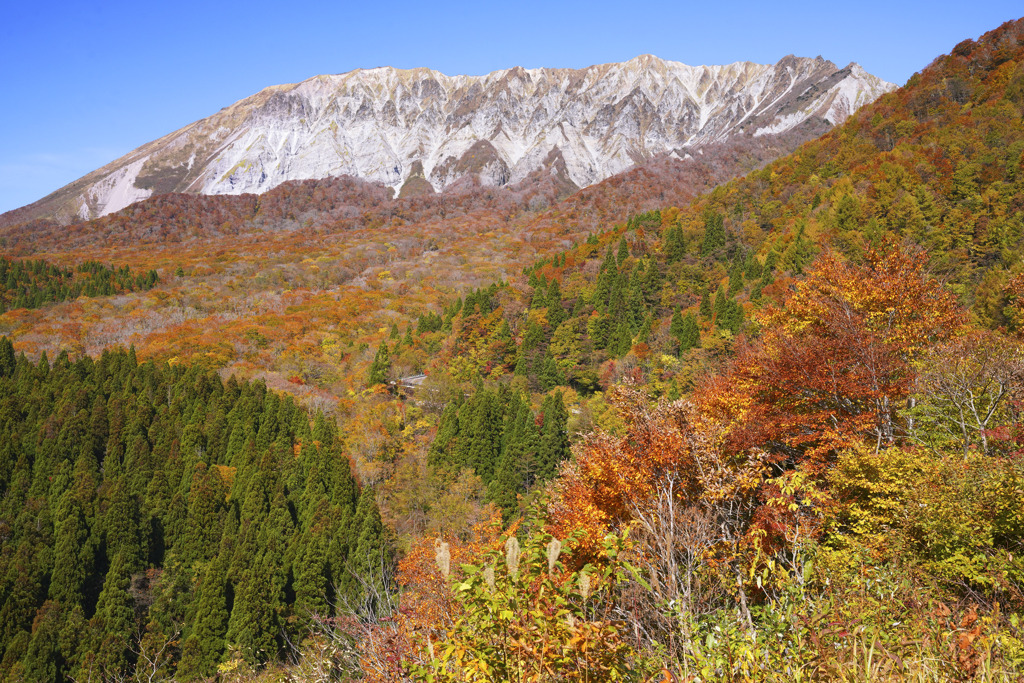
(422, 127)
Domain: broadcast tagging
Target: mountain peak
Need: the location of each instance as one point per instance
(646, 59)
(386, 125)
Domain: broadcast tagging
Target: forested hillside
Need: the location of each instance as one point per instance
(35, 283)
(157, 520)
(937, 164)
(842, 475)
(772, 433)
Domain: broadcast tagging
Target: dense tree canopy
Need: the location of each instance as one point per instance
(31, 284)
(161, 511)
(761, 435)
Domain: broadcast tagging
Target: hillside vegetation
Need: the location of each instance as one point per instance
(769, 433)
(837, 492)
(155, 516)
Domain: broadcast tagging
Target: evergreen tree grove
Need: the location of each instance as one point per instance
(167, 506)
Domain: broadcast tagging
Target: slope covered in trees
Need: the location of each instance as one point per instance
(850, 482)
(496, 435)
(35, 283)
(938, 163)
(158, 520)
(794, 404)
(844, 476)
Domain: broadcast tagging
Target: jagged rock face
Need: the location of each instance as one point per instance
(395, 126)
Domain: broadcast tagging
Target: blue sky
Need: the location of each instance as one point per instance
(86, 81)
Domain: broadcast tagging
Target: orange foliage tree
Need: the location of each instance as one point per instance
(835, 363)
(612, 478)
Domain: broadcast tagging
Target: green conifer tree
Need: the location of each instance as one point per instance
(705, 305)
(800, 252)
(636, 307)
(483, 435)
(440, 452)
(675, 244)
(550, 376)
(203, 524)
(73, 558)
(113, 625)
(676, 325)
(540, 296)
(689, 336)
(252, 626)
(621, 341)
(372, 555)
(554, 437)
(718, 304)
(124, 528)
(311, 576)
(204, 647)
(7, 360)
(644, 335)
(752, 267)
(380, 369)
(735, 277)
(556, 314)
(652, 282)
(44, 661)
(530, 357)
(714, 233)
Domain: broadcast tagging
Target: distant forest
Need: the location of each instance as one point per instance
(35, 283)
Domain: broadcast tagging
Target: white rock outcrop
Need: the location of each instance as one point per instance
(380, 124)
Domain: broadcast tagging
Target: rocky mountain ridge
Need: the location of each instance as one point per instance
(419, 130)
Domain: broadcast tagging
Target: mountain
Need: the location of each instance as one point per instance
(841, 416)
(419, 131)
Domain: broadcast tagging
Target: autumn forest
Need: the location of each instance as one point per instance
(675, 426)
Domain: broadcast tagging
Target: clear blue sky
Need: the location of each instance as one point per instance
(85, 81)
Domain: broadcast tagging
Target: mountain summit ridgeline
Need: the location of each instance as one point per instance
(420, 130)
